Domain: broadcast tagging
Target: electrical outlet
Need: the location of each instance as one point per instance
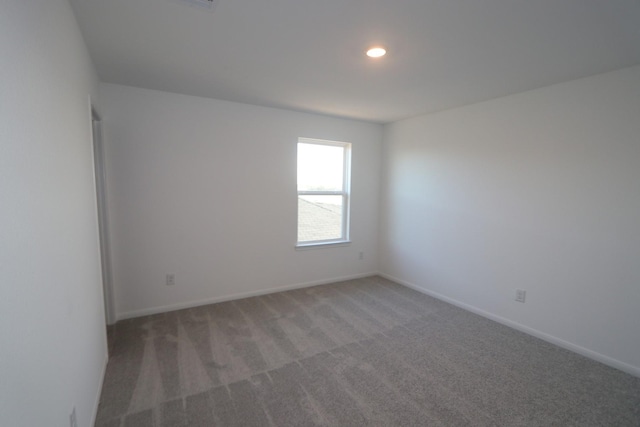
(521, 295)
(360, 256)
(171, 279)
(73, 420)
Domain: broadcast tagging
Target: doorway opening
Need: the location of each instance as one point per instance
(103, 224)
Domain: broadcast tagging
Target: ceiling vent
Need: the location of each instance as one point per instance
(201, 4)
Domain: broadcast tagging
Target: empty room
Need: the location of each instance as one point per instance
(297, 213)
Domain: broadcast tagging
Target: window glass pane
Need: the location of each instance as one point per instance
(320, 167)
(319, 218)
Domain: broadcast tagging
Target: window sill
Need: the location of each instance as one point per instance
(318, 245)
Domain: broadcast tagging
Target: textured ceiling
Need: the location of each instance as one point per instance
(308, 55)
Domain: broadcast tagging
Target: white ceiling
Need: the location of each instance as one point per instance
(309, 54)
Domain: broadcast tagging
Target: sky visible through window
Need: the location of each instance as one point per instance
(320, 167)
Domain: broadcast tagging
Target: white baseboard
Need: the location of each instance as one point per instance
(191, 304)
(609, 361)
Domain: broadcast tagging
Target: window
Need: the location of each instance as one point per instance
(323, 191)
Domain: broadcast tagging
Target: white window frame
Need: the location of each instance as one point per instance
(345, 193)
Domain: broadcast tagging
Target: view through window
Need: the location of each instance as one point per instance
(323, 191)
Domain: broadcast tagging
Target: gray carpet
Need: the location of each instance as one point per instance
(363, 352)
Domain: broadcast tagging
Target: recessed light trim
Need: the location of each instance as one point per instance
(376, 52)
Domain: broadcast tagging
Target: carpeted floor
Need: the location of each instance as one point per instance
(363, 352)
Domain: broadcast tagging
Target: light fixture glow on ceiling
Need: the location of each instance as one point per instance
(376, 52)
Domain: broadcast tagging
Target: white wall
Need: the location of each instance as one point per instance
(538, 191)
(206, 190)
(52, 332)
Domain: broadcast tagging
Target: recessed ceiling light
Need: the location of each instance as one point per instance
(376, 52)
